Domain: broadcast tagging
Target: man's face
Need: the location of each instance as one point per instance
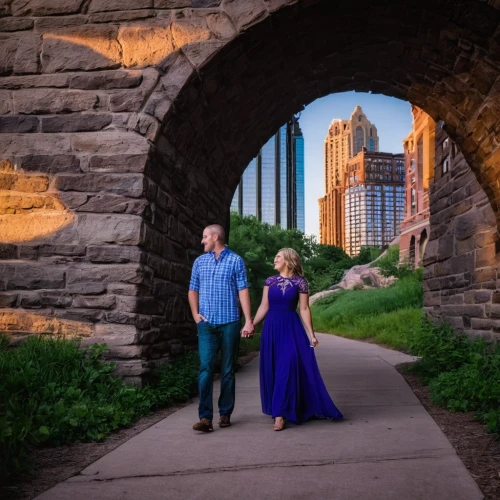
(208, 241)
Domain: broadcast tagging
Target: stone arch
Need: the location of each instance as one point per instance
(144, 120)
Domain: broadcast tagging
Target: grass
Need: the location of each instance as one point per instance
(385, 315)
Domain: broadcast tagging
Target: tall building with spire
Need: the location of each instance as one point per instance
(272, 186)
(345, 139)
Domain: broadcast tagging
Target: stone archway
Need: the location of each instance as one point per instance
(141, 116)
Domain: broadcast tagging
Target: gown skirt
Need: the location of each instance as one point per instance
(290, 382)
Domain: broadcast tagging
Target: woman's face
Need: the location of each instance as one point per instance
(280, 262)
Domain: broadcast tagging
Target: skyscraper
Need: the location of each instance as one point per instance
(345, 139)
(272, 186)
(373, 200)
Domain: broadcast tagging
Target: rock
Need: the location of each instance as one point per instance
(113, 17)
(243, 14)
(147, 43)
(49, 164)
(118, 163)
(87, 47)
(115, 254)
(37, 8)
(108, 5)
(28, 50)
(320, 295)
(89, 122)
(104, 80)
(110, 143)
(15, 24)
(372, 277)
(127, 185)
(95, 302)
(220, 24)
(54, 101)
(18, 124)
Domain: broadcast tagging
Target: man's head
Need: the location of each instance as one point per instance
(214, 238)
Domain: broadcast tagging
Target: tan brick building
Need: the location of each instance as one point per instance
(419, 148)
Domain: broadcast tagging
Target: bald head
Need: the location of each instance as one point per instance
(213, 239)
(218, 230)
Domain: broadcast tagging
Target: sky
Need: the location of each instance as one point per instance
(391, 116)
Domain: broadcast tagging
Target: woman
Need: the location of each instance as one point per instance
(290, 383)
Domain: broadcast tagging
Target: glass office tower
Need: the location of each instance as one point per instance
(272, 186)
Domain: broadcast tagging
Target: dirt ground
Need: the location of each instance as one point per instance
(479, 451)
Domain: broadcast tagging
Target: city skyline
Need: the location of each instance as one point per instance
(392, 117)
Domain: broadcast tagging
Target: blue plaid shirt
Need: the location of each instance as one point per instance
(217, 282)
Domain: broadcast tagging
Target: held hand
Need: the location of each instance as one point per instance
(248, 330)
(314, 342)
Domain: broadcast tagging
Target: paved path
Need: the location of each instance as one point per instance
(388, 447)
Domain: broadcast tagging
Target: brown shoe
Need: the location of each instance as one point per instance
(204, 425)
(224, 421)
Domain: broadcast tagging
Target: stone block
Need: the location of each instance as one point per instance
(172, 4)
(15, 24)
(116, 254)
(487, 256)
(36, 8)
(30, 301)
(493, 311)
(111, 5)
(18, 124)
(109, 203)
(484, 275)
(24, 183)
(56, 299)
(16, 321)
(147, 43)
(88, 122)
(102, 274)
(477, 296)
(485, 324)
(80, 315)
(118, 163)
(95, 302)
(97, 229)
(124, 289)
(121, 16)
(32, 276)
(8, 299)
(8, 251)
(139, 320)
(48, 24)
(220, 24)
(49, 164)
(244, 14)
(126, 184)
(48, 101)
(463, 310)
(110, 143)
(27, 54)
(131, 368)
(83, 48)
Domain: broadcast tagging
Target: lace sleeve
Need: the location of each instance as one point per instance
(269, 281)
(303, 286)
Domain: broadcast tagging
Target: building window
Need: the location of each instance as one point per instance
(446, 164)
(360, 140)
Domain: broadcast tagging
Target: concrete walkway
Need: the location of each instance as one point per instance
(388, 447)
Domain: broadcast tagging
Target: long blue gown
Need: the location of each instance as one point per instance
(290, 382)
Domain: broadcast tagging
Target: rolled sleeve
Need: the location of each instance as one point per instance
(241, 275)
(194, 284)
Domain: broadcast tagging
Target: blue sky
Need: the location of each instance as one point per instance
(391, 116)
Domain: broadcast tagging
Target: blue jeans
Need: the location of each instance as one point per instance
(211, 339)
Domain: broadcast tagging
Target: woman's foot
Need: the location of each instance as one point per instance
(279, 424)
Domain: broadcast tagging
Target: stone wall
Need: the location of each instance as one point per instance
(125, 127)
(462, 259)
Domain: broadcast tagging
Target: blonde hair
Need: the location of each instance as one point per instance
(292, 260)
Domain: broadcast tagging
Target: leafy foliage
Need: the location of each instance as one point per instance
(258, 243)
(463, 375)
(51, 393)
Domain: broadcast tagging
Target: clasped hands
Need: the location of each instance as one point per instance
(248, 330)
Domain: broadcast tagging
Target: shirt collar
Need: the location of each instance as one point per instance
(222, 254)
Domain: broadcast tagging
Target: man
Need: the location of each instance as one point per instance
(218, 279)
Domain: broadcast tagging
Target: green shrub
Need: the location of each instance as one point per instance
(51, 392)
(463, 375)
